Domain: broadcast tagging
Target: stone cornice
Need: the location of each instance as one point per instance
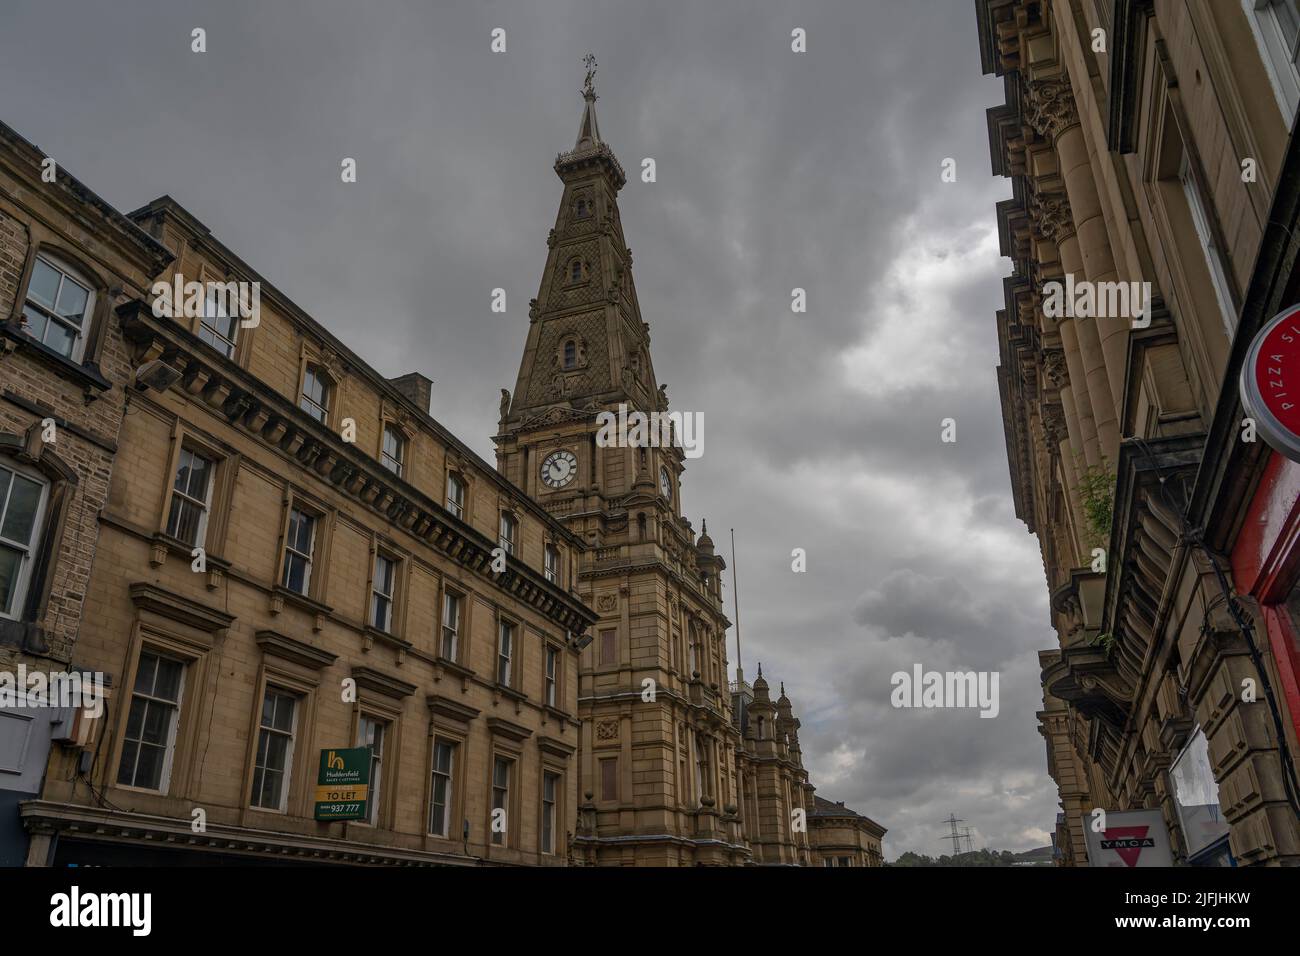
(176, 607)
(247, 403)
(555, 746)
(451, 709)
(368, 678)
(148, 254)
(508, 729)
(291, 649)
(43, 816)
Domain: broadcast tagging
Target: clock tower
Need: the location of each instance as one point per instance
(657, 748)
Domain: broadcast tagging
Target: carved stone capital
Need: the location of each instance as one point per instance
(1055, 371)
(1049, 107)
(1054, 424)
(1050, 217)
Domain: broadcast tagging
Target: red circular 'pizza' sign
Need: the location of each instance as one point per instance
(1270, 382)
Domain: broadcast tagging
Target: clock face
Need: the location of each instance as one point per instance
(559, 468)
(666, 483)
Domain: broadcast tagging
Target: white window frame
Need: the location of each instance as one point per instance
(551, 562)
(214, 302)
(1279, 54)
(368, 729)
(22, 579)
(1214, 261)
(551, 690)
(290, 551)
(204, 505)
(550, 814)
(318, 409)
(501, 838)
(456, 494)
(451, 615)
(67, 273)
(447, 778)
(393, 462)
(287, 770)
(505, 652)
(173, 722)
(376, 594)
(508, 532)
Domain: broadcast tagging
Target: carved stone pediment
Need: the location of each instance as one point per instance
(559, 415)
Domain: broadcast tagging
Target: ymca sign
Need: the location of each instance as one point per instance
(1130, 838)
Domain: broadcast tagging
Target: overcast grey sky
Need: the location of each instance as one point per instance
(775, 170)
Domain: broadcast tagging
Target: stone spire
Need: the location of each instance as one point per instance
(589, 131)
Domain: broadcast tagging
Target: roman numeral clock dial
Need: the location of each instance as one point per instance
(559, 469)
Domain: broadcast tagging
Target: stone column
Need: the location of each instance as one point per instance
(1053, 226)
(1050, 110)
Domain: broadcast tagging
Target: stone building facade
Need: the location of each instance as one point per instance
(777, 797)
(295, 557)
(285, 555)
(843, 837)
(1147, 142)
(669, 777)
(67, 259)
(658, 757)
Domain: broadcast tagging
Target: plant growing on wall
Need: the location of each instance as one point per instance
(1105, 641)
(1097, 494)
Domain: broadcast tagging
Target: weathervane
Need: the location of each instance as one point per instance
(588, 86)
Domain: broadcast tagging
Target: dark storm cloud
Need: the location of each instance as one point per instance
(775, 171)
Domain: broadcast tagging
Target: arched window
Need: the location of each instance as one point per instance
(760, 728)
(575, 270)
(23, 498)
(570, 353)
(58, 306)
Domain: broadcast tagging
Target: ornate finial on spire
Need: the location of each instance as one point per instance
(588, 132)
(704, 526)
(782, 688)
(760, 668)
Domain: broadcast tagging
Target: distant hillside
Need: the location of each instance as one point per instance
(1039, 856)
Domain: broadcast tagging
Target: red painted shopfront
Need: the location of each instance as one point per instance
(1266, 566)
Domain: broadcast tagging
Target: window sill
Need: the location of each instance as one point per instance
(27, 636)
(563, 716)
(280, 596)
(215, 566)
(456, 668)
(504, 690)
(86, 375)
(371, 634)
